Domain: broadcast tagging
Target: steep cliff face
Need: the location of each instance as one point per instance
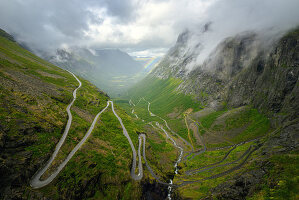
(270, 82)
(208, 79)
(228, 59)
(247, 70)
(175, 62)
(241, 70)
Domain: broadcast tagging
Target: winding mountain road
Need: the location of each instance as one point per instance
(148, 166)
(36, 181)
(196, 153)
(181, 150)
(207, 168)
(244, 157)
(125, 132)
(189, 172)
(166, 124)
(224, 172)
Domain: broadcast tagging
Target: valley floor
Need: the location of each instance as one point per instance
(217, 145)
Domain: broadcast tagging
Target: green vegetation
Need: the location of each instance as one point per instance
(33, 98)
(282, 182)
(34, 95)
(235, 125)
(178, 125)
(202, 189)
(214, 156)
(7, 36)
(208, 120)
(163, 95)
(159, 149)
(219, 128)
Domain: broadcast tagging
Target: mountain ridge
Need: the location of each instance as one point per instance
(243, 71)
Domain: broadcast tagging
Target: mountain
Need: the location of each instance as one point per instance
(244, 93)
(222, 125)
(34, 96)
(242, 71)
(110, 69)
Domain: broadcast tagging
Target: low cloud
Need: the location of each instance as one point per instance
(138, 25)
(268, 18)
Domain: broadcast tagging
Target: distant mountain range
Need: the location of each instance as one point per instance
(110, 69)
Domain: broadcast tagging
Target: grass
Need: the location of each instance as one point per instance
(201, 190)
(247, 122)
(208, 120)
(163, 95)
(235, 125)
(33, 97)
(210, 157)
(178, 125)
(282, 181)
(159, 149)
(256, 124)
(164, 99)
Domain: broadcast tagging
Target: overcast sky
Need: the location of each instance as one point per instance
(145, 27)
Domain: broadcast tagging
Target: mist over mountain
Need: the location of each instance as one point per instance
(230, 58)
(110, 69)
(149, 99)
(244, 72)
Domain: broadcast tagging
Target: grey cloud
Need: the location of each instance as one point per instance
(124, 10)
(270, 18)
(47, 24)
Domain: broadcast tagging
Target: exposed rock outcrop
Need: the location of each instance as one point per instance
(244, 70)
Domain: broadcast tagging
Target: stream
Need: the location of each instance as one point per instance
(181, 151)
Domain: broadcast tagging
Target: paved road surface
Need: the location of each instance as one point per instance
(35, 182)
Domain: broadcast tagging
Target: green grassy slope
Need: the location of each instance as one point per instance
(162, 95)
(168, 103)
(33, 97)
(164, 99)
(232, 126)
(262, 123)
(159, 149)
(218, 128)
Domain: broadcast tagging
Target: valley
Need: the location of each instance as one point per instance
(227, 136)
(234, 156)
(224, 129)
(86, 140)
(112, 70)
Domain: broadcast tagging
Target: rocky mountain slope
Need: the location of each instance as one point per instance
(244, 75)
(241, 70)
